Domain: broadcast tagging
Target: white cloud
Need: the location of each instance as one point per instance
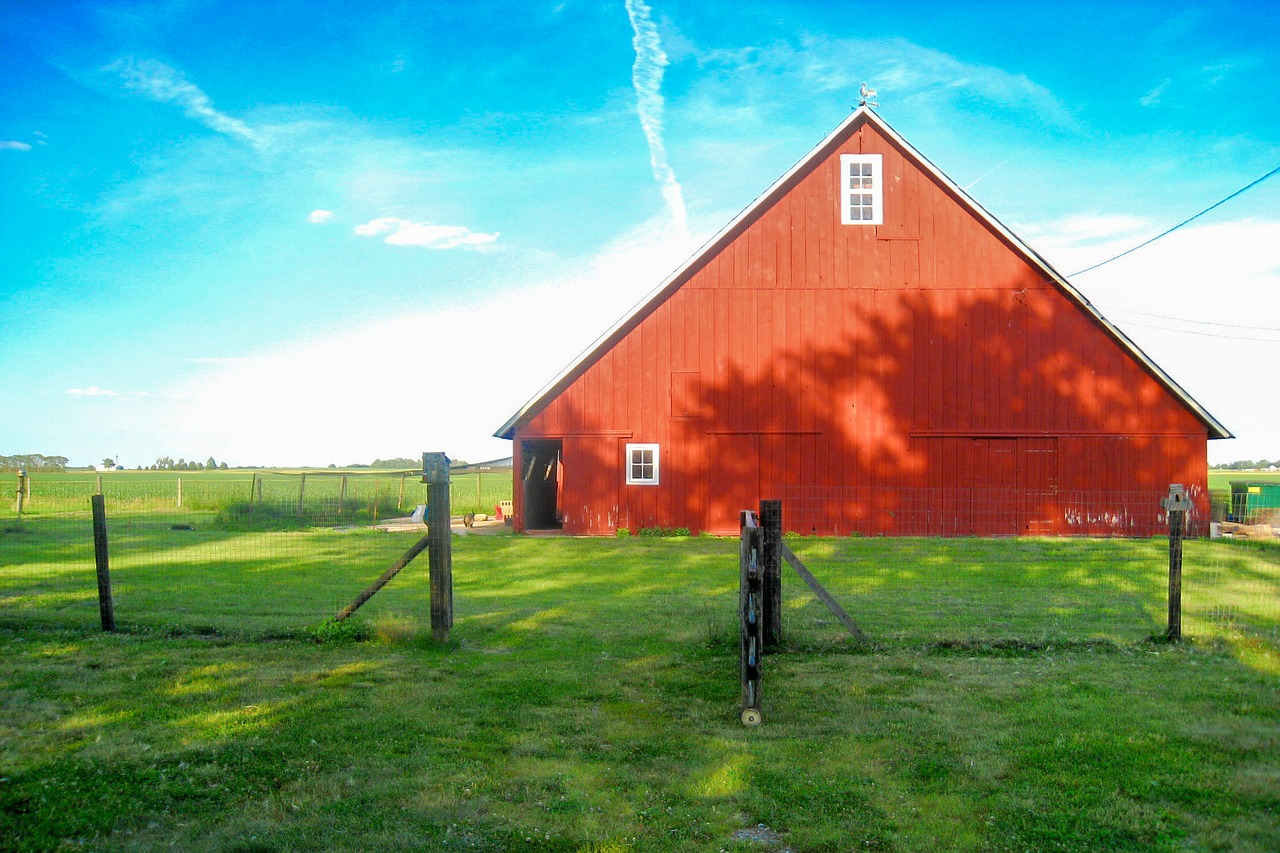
(320, 216)
(12, 145)
(159, 82)
(313, 403)
(646, 77)
(908, 77)
(403, 232)
(1153, 97)
(95, 391)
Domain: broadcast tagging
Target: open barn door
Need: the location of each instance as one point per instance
(541, 481)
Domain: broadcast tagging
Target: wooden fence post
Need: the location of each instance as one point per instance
(106, 606)
(1176, 505)
(750, 618)
(179, 493)
(435, 473)
(771, 522)
(302, 490)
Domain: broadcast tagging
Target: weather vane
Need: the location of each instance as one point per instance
(867, 96)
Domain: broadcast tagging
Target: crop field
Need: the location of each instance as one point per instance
(1011, 696)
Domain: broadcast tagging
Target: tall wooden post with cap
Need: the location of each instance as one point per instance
(1175, 505)
(435, 473)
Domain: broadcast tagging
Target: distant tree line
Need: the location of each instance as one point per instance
(33, 462)
(1247, 465)
(165, 463)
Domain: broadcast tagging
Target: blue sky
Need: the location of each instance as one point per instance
(257, 230)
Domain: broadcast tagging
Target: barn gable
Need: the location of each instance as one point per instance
(894, 336)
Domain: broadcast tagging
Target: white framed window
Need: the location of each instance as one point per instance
(642, 464)
(861, 189)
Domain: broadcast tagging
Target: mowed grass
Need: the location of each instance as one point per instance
(587, 701)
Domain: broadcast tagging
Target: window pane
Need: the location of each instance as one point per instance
(866, 170)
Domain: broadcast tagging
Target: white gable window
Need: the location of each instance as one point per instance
(642, 464)
(861, 189)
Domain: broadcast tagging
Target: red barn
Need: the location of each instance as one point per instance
(870, 345)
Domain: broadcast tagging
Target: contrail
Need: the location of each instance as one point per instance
(646, 76)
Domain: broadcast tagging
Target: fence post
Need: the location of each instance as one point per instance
(771, 521)
(750, 618)
(17, 501)
(179, 493)
(106, 607)
(1176, 505)
(435, 473)
(302, 490)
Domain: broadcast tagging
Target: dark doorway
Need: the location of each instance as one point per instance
(541, 478)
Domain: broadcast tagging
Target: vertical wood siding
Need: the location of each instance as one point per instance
(921, 354)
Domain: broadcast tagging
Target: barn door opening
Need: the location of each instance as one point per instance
(541, 479)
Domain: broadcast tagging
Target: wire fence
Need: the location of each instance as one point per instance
(322, 495)
(1029, 590)
(192, 571)
(263, 567)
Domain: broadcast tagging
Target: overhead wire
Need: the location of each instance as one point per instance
(1120, 310)
(1166, 233)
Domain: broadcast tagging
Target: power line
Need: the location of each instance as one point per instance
(1188, 320)
(1204, 334)
(1179, 225)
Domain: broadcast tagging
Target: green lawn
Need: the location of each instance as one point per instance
(587, 701)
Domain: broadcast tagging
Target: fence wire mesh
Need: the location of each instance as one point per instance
(246, 553)
(1031, 590)
(274, 565)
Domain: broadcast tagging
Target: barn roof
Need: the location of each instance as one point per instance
(726, 235)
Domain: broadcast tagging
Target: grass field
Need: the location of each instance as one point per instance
(1222, 479)
(587, 701)
(390, 491)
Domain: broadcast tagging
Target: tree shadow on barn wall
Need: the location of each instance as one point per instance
(932, 412)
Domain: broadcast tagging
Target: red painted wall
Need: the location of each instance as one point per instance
(874, 377)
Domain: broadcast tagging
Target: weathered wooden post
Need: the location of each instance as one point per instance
(302, 491)
(106, 606)
(771, 558)
(22, 492)
(435, 473)
(1176, 505)
(750, 609)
